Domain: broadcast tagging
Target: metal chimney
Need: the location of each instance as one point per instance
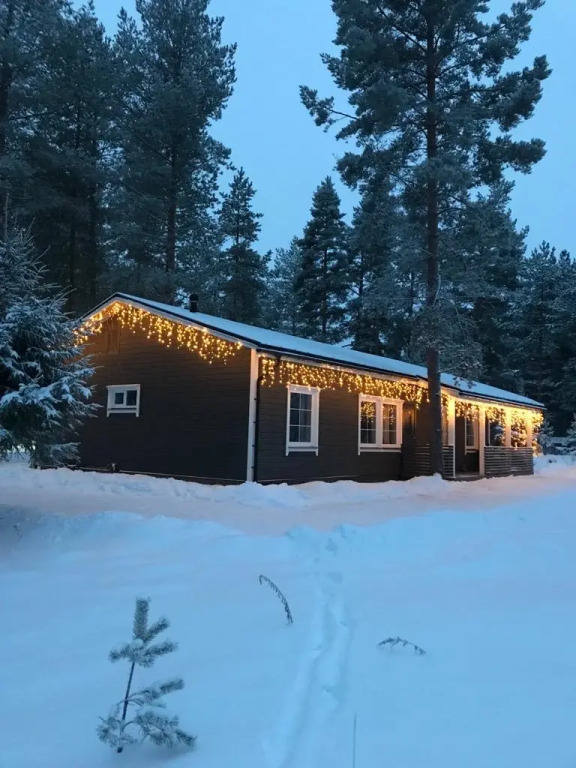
(193, 302)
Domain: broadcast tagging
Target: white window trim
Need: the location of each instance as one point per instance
(380, 446)
(476, 423)
(312, 446)
(112, 408)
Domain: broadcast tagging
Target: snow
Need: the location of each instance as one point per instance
(480, 575)
(274, 341)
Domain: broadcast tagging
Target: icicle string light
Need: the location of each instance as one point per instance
(171, 333)
(328, 377)
(166, 332)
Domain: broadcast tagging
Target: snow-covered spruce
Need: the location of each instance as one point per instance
(43, 391)
(136, 716)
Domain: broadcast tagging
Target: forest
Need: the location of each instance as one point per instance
(109, 163)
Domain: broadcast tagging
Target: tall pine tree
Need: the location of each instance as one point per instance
(433, 103)
(322, 283)
(281, 307)
(178, 77)
(243, 268)
(28, 28)
(69, 152)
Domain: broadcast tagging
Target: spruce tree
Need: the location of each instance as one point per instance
(562, 404)
(44, 395)
(545, 435)
(27, 30)
(536, 350)
(243, 268)
(383, 287)
(433, 102)
(178, 77)
(322, 283)
(137, 713)
(570, 444)
(282, 307)
(69, 153)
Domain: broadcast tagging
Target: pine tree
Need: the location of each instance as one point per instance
(137, 713)
(322, 283)
(178, 77)
(244, 270)
(570, 444)
(536, 350)
(69, 154)
(282, 308)
(545, 435)
(433, 103)
(384, 290)
(562, 402)
(43, 392)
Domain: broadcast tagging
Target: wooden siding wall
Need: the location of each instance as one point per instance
(338, 457)
(193, 415)
(416, 460)
(500, 461)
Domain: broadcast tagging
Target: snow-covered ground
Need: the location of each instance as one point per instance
(481, 575)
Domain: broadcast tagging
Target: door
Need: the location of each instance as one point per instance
(467, 445)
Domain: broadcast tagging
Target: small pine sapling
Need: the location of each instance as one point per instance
(137, 713)
(393, 641)
(281, 597)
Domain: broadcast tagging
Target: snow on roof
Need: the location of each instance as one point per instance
(274, 341)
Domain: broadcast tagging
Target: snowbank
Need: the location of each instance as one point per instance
(489, 596)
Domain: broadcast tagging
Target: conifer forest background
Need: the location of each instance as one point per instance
(108, 158)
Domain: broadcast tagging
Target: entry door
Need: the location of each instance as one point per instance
(467, 445)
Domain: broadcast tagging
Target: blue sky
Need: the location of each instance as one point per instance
(286, 155)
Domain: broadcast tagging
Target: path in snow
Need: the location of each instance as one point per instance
(319, 688)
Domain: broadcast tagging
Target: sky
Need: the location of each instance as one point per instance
(286, 156)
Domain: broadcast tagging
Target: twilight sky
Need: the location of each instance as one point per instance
(286, 155)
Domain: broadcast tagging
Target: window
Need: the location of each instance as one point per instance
(495, 433)
(302, 421)
(123, 398)
(368, 419)
(471, 427)
(380, 423)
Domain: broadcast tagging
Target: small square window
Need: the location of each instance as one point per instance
(123, 398)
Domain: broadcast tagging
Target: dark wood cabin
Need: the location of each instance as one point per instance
(188, 395)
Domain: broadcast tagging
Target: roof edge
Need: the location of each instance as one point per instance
(151, 306)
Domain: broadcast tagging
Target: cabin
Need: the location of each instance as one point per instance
(184, 394)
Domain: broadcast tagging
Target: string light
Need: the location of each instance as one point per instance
(171, 333)
(166, 332)
(329, 377)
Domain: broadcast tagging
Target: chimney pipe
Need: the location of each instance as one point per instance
(193, 302)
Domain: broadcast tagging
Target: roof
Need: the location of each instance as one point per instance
(265, 340)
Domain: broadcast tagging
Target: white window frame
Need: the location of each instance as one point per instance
(312, 446)
(476, 423)
(379, 445)
(111, 406)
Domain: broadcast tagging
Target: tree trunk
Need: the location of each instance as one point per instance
(432, 261)
(93, 221)
(170, 262)
(324, 295)
(6, 77)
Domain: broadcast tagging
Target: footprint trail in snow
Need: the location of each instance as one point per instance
(319, 688)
